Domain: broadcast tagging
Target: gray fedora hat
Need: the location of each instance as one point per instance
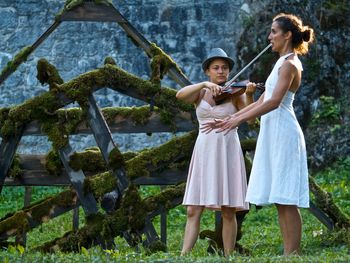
(217, 53)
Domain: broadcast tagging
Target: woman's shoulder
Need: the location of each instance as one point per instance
(294, 62)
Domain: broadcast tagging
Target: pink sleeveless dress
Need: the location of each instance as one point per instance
(217, 175)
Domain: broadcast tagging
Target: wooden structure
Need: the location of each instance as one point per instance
(119, 168)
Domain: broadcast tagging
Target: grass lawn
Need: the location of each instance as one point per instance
(261, 234)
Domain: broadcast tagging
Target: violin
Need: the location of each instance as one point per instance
(235, 89)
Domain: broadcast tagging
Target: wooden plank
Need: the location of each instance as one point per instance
(42, 178)
(46, 34)
(163, 226)
(42, 38)
(150, 233)
(75, 219)
(7, 153)
(146, 46)
(35, 174)
(87, 200)
(182, 122)
(321, 216)
(104, 140)
(89, 11)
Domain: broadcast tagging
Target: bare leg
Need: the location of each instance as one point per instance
(229, 229)
(291, 225)
(192, 227)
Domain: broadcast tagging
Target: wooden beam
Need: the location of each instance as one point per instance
(7, 153)
(89, 11)
(142, 42)
(35, 174)
(5, 74)
(76, 178)
(122, 124)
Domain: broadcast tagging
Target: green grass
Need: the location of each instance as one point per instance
(260, 231)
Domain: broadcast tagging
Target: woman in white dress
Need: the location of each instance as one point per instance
(279, 174)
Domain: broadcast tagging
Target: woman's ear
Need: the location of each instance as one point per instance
(288, 35)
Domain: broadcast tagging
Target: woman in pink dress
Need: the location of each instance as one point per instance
(279, 174)
(216, 177)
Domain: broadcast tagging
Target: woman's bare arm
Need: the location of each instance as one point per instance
(192, 93)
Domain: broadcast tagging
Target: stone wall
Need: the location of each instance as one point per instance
(186, 30)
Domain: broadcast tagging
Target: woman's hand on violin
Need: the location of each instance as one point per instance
(251, 88)
(214, 88)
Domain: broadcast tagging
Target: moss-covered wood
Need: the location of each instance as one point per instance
(160, 64)
(130, 216)
(43, 107)
(156, 158)
(47, 73)
(38, 108)
(325, 202)
(37, 213)
(71, 4)
(13, 64)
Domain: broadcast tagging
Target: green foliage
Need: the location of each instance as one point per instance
(261, 234)
(335, 180)
(328, 112)
(333, 13)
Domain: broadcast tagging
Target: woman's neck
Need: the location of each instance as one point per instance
(286, 50)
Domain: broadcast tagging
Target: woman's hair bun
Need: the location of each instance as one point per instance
(306, 35)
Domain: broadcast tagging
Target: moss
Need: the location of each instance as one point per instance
(53, 163)
(70, 4)
(81, 87)
(115, 159)
(163, 97)
(100, 184)
(15, 170)
(129, 155)
(160, 64)
(19, 58)
(103, 227)
(134, 208)
(139, 115)
(324, 201)
(129, 217)
(336, 237)
(60, 125)
(4, 112)
(156, 246)
(17, 223)
(164, 154)
(90, 160)
(164, 198)
(109, 60)
(47, 73)
(39, 108)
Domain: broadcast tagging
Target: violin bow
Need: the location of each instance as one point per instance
(228, 83)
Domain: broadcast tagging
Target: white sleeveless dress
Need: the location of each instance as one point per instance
(216, 175)
(279, 173)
